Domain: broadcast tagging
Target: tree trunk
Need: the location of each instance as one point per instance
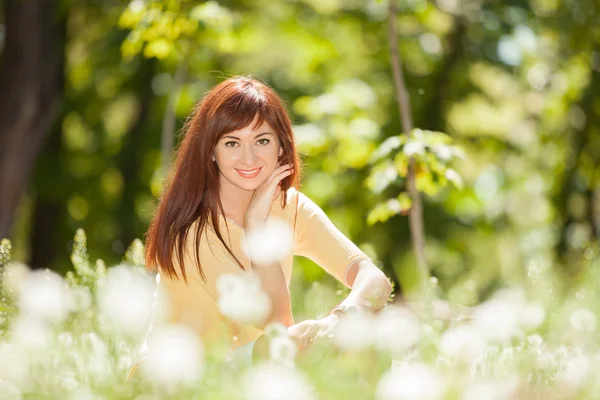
(31, 87)
(415, 215)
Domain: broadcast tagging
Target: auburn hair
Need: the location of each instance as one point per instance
(192, 190)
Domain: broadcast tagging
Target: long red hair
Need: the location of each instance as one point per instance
(192, 191)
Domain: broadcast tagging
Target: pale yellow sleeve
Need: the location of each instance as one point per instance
(318, 239)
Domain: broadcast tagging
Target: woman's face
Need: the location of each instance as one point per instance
(247, 157)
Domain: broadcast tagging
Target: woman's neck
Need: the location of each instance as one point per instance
(235, 201)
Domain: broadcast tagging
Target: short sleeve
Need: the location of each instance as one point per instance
(318, 239)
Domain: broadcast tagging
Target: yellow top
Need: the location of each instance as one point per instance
(315, 237)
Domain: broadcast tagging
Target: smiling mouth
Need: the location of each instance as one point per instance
(249, 173)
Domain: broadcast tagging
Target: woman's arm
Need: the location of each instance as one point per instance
(274, 284)
(370, 287)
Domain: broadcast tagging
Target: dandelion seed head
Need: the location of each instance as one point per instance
(583, 320)
(354, 332)
(174, 357)
(44, 295)
(271, 381)
(411, 382)
(396, 330)
(283, 349)
(242, 299)
(463, 343)
(125, 298)
(272, 242)
(532, 316)
(504, 389)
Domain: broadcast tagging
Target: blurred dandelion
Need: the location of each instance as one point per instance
(174, 357)
(272, 242)
(270, 381)
(125, 297)
(242, 299)
(411, 382)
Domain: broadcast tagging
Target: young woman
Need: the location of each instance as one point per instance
(237, 166)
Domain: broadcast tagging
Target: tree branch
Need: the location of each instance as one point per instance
(415, 215)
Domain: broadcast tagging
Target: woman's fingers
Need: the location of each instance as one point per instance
(277, 171)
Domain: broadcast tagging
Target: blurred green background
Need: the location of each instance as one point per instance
(94, 85)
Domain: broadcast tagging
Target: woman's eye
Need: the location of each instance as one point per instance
(264, 141)
(230, 144)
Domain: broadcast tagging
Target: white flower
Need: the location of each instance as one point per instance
(463, 342)
(532, 316)
(31, 333)
(577, 371)
(283, 349)
(174, 357)
(583, 320)
(411, 382)
(44, 295)
(491, 390)
(272, 242)
(125, 297)
(354, 331)
(498, 319)
(396, 330)
(270, 381)
(80, 298)
(13, 275)
(242, 299)
(8, 391)
(14, 366)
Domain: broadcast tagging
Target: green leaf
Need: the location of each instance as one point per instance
(390, 144)
(382, 175)
(159, 48)
(454, 177)
(384, 211)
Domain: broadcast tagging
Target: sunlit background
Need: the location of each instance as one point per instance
(511, 188)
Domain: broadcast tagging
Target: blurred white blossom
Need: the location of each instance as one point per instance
(583, 320)
(396, 329)
(14, 365)
(8, 391)
(80, 298)
(125, 297)
(44, 295)
(504, 389)
(577, 371)
(13, 275)
(463, 342)
(354, 331)
(532, 316)
(242, 299)
(271, 381)
(282, 349)
(31, 333)
(499, 318)
(411, 382)
(175, 356)
(272, 242)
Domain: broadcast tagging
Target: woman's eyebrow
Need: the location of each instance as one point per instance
(257, 136)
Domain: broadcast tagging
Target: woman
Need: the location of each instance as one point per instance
(237, 166)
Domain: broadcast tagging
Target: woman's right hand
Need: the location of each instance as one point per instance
(264, 196)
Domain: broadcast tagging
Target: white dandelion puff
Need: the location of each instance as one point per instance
(242, 299)
(271, 381)
(270, 243)
(126, 297)
(174, 357)
(411, 382)
(44, 295)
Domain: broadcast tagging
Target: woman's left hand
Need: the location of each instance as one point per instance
(306, 332)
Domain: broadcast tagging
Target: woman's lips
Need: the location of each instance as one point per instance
(252, 175)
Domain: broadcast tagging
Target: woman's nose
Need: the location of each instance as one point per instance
(248, 156)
